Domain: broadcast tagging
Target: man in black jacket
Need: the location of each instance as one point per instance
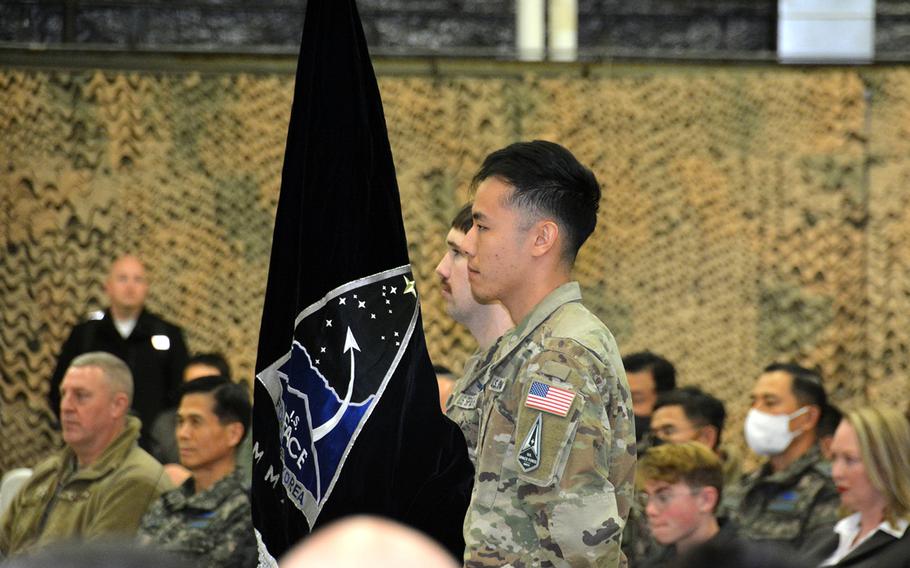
(152, 347)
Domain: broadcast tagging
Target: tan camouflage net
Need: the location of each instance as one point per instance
(751, 214)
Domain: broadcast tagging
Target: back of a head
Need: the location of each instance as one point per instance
(548, 182)
(214, 360)
(692, 463)
(368, 542)
(115, 371)
(884, 441)
(700, 408)
(231, 400)
(663, 371)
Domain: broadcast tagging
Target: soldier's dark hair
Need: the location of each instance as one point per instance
(663, 371)
(232, 400)
(213, 359)
(548, 181)
(807, 386)
(700, 408)
(463, 220)
(829, 421)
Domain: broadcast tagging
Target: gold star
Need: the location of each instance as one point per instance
(409, 287)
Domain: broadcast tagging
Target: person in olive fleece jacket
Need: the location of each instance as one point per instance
(101, 483)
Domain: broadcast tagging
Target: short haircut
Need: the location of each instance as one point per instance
(548, 181)
(700, 408)
(213, 359)
(827, 424)
(884, 441)
(807, 386)
(692, 463)
(117, 373)
(664, 372)
(463, 220)
(232, 401)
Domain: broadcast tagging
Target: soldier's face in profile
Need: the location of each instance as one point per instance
(126, 285)
(88, 410)
(204, 441)
(498, 245)
(452, 271)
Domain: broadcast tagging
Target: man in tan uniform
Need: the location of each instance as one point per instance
(556, 442)
(100, 484)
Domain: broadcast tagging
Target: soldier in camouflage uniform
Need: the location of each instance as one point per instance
(208, 518)
(555, 440)
(486, 322)
(792, 494)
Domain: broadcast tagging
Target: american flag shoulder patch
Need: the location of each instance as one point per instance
(550, 399)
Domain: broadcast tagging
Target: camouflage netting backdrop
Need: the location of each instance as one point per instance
(750, 214)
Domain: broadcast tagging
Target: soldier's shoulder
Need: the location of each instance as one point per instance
(576, 323)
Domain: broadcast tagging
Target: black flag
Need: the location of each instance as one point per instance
(346, 416)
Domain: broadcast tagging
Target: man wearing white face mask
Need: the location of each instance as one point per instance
(791, 495)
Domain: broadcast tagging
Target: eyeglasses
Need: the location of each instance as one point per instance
(662, 498)
(668, 431)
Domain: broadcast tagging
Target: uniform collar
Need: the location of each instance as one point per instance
(567, 293)
(209, 500)
(112, 457)
(794, 471)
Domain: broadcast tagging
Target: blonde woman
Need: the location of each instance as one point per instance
(871, 469)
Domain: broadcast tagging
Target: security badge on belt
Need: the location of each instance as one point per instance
(546, 398)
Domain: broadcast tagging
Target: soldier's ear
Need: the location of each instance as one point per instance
(235, 433)
(707, 435)
(121, 404)
(546, 234)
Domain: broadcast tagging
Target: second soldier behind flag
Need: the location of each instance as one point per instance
(556, 454)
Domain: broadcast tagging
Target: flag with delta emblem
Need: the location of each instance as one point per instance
(346, 417)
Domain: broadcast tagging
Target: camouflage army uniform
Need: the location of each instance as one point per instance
(552, 489)
(213, 527)
(463, 405)
(786, 506)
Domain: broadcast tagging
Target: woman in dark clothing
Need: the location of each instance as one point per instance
(871, 468)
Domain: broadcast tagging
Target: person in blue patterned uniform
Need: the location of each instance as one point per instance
(208, 517)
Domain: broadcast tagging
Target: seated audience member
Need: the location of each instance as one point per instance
(791, 495)
(688, 414)
(163, 440)
(368, 542)
(101, 483)
(741, 554)
(208, 518)
(831, 418)
(682, 486)
(445, 380)
(649, 375)
(871, 467)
